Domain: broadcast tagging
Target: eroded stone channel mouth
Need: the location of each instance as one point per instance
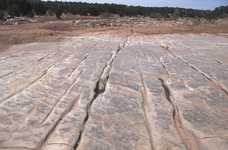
(153, 92)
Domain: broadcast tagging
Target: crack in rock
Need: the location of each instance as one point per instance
(99, 89)
(190, 141)
(144, 104)
(42, 142)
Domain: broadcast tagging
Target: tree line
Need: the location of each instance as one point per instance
(31, 7)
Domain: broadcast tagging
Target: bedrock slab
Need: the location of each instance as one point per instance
(104, 91)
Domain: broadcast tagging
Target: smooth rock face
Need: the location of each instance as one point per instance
(101, 91)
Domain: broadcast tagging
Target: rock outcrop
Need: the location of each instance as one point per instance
(100, 91)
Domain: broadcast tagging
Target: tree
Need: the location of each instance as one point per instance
(13, 10)
(219, 12)
(58, 13)
(94, 11)
(24, 6)
(40, 9)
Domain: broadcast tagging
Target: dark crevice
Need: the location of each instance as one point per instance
(98, 90)
(171, 52)
(166, 89)
(218, 61)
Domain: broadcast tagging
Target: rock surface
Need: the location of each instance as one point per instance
(100, 91)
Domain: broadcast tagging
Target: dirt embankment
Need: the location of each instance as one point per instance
(48, 29)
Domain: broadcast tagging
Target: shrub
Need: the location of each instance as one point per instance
(106, 14)
(196, 20)
(121, 14)
(58, 13)
(31, 14)
(50, 13)
(176, 13)
(156, 15)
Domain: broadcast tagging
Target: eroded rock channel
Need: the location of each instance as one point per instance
(101, 91)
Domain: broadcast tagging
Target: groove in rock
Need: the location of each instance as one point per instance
(75, 80)
(63, 115)
(145, 105)
(203, 55)
(141, 48)
(28, 65)
(24, 118)
(21, 90)
(190, 141)
(98, 90)
(212, 82)
(44, 73)
(71, 106)
(79, 65)
(60, 144)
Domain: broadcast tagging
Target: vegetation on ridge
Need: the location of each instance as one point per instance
(29, 8)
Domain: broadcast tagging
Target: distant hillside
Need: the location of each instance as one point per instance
(38, 7)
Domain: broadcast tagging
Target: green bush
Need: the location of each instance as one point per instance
(176, 13)
(156, 15)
